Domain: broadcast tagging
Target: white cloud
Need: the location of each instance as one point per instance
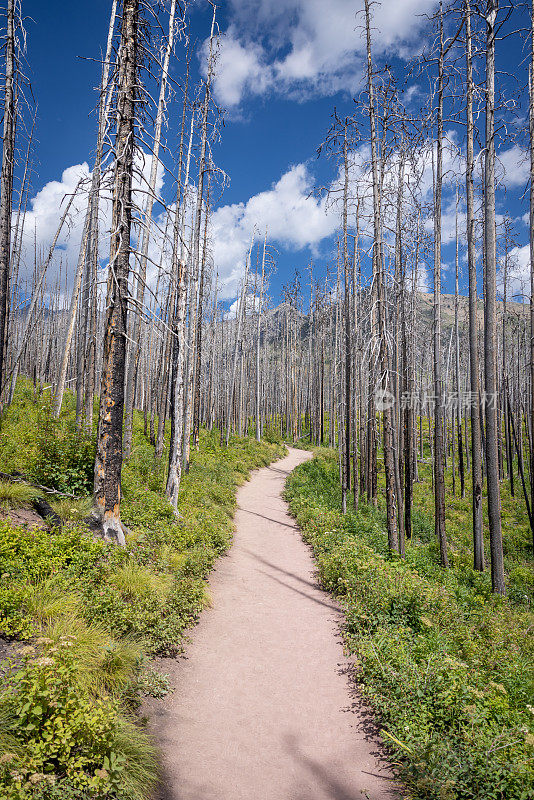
(309, 45)
(513, 167)
(47, 207)
(239, 70)
(425, 279)
(519, 272)
(292, 217)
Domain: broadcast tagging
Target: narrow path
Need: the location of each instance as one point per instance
(262, 708)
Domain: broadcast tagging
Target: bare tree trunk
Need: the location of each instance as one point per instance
(490, 332)
(476, 434)
(108, 462)
(177, 372)
(200, 321)
(457, 367)
(391, 500)
(141, 278)
(60, 388)
(531, 132)
(85, 359)
(401, 379)
(258, 342)
(345, 486)
(195, 252)
(439, 474)
(6, 181)
(237, 345)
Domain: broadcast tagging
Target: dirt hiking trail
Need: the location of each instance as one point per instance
(262, 708)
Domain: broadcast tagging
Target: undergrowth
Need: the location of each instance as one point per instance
(90, 615)
(447, 666)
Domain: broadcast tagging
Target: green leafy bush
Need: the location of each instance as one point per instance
(68, 739)
(65, 457)
(448, 666)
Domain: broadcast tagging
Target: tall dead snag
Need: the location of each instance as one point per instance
(356, 365)
(476, 436)
(141, 278)
(195, 252)
(108, 463)
(531, 133)
(85, 360)
(179, 275)
(238, 344)
(391, 499)
(200, 323)
(62, 379)
(402, 362)
(258, 342)
(490, 316)
(6, 179)
(345, 486)
(439, 454)
(177, 369)
(457, 362)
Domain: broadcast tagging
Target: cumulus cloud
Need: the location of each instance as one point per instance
(309, 46)
(294, 217)
(240, 70)
(518, 273)
(291, 215)
(513, 167)
(47, 207)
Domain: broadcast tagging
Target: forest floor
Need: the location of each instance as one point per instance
(263, 705)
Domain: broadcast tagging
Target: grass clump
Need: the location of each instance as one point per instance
(447, 665)
(16, 495)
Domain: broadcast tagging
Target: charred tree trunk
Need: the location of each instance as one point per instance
(6, 181)
(108, 463)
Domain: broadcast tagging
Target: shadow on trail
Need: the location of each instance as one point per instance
(269, 519)
(367, 719)
(331, 786)
(312, 584)
(286, 472)
(297, 591)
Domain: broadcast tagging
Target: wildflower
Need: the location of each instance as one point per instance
(45, 662)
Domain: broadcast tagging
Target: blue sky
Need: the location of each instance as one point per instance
(283, 67)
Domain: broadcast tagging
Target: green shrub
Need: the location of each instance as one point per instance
(64, 458)
(67, 739)
(447, 666)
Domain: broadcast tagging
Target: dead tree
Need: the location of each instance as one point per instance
(108, 462)
(6, 180)
(476, 433)
(389, 466)
(490, 314)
